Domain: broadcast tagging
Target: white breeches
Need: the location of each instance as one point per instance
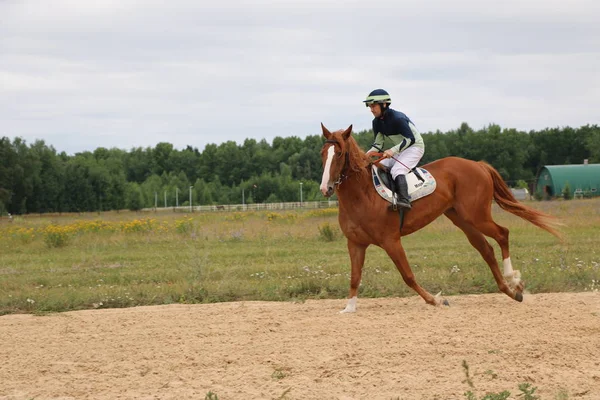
(408, 159)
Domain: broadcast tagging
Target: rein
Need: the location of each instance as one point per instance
(382, 155)
(376, 162)
(343, 175)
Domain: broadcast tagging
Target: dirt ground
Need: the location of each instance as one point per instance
(396, 348)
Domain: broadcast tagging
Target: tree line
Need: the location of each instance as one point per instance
(35, 178)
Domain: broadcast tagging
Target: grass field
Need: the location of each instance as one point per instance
(128, 259)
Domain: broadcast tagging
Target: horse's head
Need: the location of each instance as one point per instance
(335, 158)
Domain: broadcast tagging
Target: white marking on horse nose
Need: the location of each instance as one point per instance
(325, 179)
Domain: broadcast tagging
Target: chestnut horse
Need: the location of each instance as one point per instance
(464, 193)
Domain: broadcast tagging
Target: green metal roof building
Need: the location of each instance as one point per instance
(583, 179)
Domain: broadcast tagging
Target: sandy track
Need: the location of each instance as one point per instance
(391, 348)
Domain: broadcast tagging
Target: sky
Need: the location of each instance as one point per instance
(133, 73)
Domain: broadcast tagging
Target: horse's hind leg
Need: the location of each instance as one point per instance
(488, 227)
(475, 234)
(396, 252)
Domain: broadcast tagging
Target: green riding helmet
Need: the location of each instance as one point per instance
(378, 96)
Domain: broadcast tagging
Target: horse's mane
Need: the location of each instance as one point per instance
(358, 160)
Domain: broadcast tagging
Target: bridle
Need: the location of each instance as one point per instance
(343, 174)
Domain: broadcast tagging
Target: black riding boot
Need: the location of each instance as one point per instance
(402, 192)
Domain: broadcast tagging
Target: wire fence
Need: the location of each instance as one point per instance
(6, 217)
(249, 207)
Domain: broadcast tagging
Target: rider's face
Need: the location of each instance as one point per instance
(375, 109)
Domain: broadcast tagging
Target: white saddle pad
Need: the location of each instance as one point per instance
(416, 187)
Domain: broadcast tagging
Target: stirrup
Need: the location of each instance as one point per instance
(406, 206)
(394, 205)
(397, 204)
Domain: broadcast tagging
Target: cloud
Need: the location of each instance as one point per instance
(80, 75)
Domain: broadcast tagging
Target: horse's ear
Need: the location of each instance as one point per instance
(347, 132)
(326, 132)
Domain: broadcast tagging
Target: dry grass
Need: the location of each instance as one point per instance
(210, 257)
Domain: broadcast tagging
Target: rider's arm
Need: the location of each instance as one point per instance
(377, 145)
(403, 129)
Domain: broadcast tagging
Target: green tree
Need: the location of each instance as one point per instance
(134, 198)
(186, 162)
(49, 189)
(138, 164)
(80, 195)
(151, 188)
(8, 162)
(208, 163)
(203, 193)
(592, 142)
(161, 158)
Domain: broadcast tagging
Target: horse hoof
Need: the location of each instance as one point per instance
(519, 297)
(446, 303)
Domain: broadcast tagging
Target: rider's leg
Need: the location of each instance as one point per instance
(405, 162)
(402, 191)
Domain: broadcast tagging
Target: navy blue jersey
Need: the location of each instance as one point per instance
(399, 128)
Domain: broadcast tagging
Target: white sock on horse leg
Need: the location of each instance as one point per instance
(508, 269)
(351, 306)
(513, 278)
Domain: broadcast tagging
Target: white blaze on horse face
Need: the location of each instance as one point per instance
(326, 175)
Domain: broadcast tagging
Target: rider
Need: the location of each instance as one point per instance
(408, 146)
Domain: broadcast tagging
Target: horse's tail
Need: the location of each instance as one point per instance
(506, 200)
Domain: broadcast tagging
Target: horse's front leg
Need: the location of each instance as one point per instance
(396, 252)
(357, 260)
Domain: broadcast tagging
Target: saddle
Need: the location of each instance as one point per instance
(420, 183)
